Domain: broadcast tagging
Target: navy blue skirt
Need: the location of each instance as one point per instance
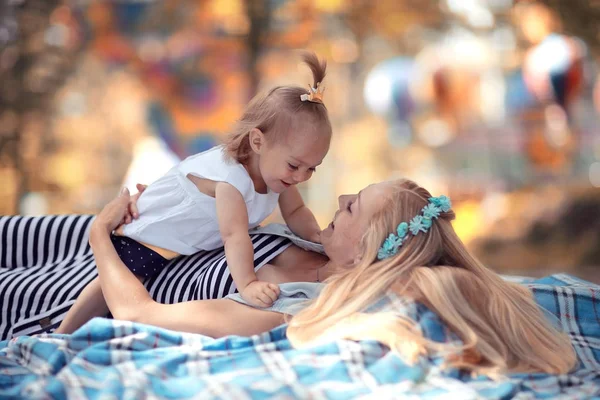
(140, 260)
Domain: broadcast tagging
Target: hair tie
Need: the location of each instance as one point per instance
(315, 94)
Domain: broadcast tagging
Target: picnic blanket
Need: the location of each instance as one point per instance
(116, 359)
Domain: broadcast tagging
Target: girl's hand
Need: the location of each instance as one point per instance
(113, 213)
(260, 294)
(132, 209)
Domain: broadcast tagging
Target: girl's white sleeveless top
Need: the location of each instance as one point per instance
(176, 216)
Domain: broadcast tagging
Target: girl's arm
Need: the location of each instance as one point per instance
(298, 217)
(128, 299)
(232, 215)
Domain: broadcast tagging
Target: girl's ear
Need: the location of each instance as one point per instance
(257, 140)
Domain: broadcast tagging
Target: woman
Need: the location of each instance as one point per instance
(503, 331)
(292, 265)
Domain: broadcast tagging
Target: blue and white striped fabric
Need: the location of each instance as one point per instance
(114, 359)
(45, 262)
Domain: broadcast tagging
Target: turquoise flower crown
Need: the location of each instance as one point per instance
(420, 223)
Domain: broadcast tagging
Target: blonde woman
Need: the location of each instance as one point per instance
(392, 237)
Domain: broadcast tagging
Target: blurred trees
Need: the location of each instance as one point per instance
(208, 55)
(259, 14)
(579, 18)
(37, 54)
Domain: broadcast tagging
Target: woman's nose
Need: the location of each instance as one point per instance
(343, 201)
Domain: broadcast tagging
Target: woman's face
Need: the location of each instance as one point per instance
(342, 237)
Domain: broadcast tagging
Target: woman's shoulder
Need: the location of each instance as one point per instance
(395, 300)
(293, 297)
(284, 231)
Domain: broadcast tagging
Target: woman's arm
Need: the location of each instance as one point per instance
(214, 318)
(128, 299)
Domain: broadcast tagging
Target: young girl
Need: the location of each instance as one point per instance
(211, 199)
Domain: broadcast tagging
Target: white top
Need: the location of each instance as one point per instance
(176, 216)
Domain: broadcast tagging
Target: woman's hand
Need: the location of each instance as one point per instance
(113, 213)
(132, 209)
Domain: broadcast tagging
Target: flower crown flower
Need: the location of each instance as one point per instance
(420, 223)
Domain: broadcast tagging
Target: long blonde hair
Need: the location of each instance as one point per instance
(500, 325)
(279, 112)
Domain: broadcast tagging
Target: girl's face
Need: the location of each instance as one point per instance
(292, 161)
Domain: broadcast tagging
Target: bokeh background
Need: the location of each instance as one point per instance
(492, 102)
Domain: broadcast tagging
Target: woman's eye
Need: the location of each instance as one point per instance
(312, 169)
(292, 167)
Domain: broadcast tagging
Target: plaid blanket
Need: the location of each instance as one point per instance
(115, 359)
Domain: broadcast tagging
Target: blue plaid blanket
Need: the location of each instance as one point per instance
(115, 359)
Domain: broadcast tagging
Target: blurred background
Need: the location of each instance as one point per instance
(492, 102)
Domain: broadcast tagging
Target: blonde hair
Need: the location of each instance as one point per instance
(499, 323)
(280, 112)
